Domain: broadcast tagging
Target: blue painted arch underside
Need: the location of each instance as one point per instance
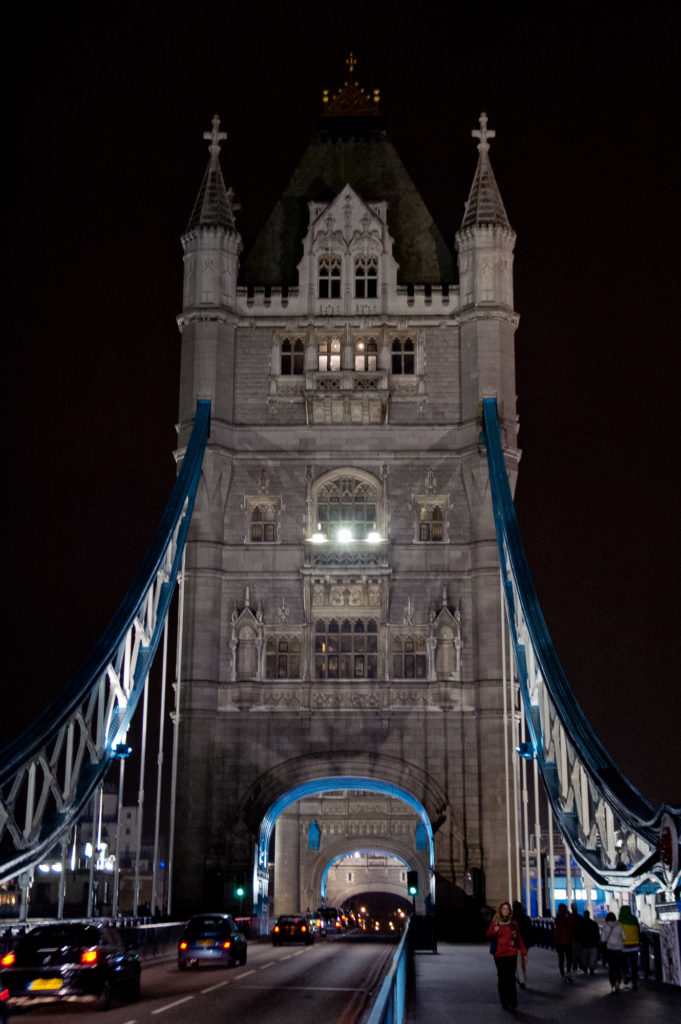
(334, 783)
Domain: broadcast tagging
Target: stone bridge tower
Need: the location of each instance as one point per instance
(342, 620)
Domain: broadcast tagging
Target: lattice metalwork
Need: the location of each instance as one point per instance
(50, 772)
(612, 831)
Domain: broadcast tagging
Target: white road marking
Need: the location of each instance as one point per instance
(268, 964)
(169, 1006)
(287, 957)
(212, 988)
(245, 974)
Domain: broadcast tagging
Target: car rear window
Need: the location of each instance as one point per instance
(58, 937)
(208, 924)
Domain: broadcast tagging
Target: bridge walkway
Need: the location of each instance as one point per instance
(458, 985)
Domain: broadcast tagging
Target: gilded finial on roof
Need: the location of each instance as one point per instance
(351, 99)
(483, 134)
(215, 137)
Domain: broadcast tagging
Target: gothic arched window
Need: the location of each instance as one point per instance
(347, 649)
(282, 657)
(431, 522)
(313, 836)
(409, 657)
(349, 503)
(366, 277)
(292, 355)
(329, 355)
(403, 356)
(366, 355)
(264, 523)
(329, 281)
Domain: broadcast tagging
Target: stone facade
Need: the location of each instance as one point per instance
(342, 615)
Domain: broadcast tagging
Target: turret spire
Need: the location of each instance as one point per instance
(213, 206)
(485, 205)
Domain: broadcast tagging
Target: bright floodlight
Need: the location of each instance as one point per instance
(344, 535)
(373, 537)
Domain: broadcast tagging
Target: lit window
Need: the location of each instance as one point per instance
(282, 660)
(346, 650)
(366, 277)
(409, 657)
(313, 836)
(329, 277)
(329, 355)
(263, 524)
(292, 355)
(366, 355)
(403, 356)
(431, 522)
(349, 504)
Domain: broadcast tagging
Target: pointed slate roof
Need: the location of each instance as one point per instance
(485, 205)
(213, 206)
(351, 147)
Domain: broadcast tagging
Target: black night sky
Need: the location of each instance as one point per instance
(105, 155)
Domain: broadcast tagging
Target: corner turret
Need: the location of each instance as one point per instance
(211, 242)
(211, 247)
(485, 245)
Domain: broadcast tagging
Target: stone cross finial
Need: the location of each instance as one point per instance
(483, 134)
(351, 63)
(215, 137)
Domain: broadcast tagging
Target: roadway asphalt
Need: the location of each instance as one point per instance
(458, 985)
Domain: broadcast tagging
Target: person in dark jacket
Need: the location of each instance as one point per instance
(506, 942)
(591, 937)
(525, 927)
(564, 925)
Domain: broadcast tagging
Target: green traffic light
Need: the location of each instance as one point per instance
(240, 891)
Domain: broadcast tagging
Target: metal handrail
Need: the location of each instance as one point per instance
(391, 1000)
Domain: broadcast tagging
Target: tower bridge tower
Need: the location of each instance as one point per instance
(342, 620)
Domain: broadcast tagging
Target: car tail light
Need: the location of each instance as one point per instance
(303, 929)
(226, 945)
(7, 960)
(182, 945)
(276, 927)
(89, 956)
(4, 994)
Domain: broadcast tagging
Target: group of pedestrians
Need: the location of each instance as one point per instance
(578, 941)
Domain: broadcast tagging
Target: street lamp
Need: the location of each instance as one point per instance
(121, 754)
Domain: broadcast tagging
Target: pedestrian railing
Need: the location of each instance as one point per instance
(390, 1004)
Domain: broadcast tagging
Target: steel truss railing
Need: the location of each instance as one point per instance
(612, 831)
(51, 771)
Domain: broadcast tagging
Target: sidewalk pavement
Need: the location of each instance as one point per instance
(458, 985)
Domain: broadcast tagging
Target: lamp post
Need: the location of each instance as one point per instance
(121, 753)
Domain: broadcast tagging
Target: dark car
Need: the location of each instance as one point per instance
(331, 918)
(211, 939)
(292, 928)
(57, 961)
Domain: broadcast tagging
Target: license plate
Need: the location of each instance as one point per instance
(45, 984)
(205, 942)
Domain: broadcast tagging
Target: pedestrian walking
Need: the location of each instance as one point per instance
(632, 938)
(576, 945)
(505, 944)
(591, 938)
(563, 938)
(525, 927)
(613, 937)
